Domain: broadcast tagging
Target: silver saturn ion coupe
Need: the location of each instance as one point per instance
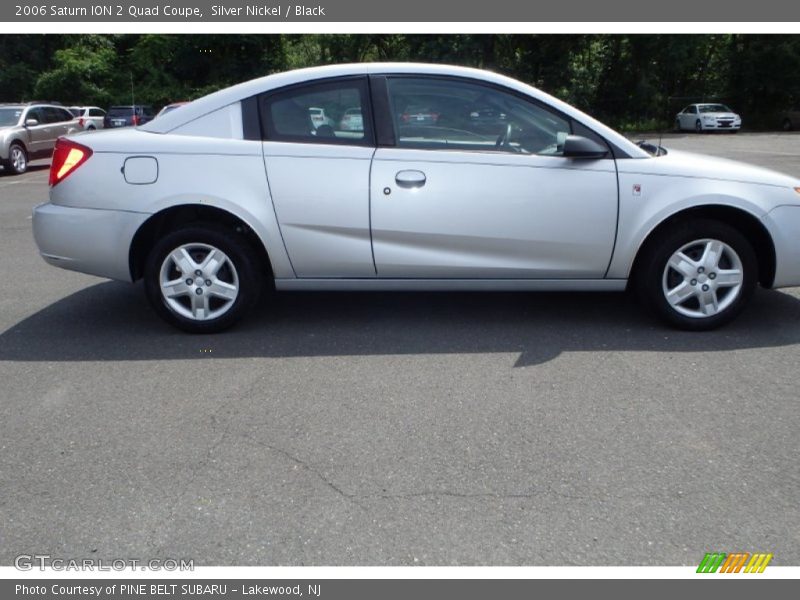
(495, 185)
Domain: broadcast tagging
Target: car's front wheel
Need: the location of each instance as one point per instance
(698, 275)
(202, 278)
(17, 159)
(698, 126)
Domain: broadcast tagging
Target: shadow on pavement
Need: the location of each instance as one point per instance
(111, 321)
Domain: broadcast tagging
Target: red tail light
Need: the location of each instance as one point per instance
(135, 120)
(67, 157)
(80, 121)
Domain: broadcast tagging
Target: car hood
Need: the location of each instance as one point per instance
(720, 115)
(677, 163)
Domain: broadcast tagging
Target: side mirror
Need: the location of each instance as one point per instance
(31, 122)
(576, 146)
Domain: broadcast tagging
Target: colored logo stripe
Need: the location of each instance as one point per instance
(758, 563)
(734, 563)
(711, 562)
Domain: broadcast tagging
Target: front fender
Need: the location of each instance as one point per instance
(662, 197)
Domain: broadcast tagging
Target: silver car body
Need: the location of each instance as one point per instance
(345, 217)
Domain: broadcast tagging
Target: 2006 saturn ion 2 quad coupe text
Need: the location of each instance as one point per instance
(241, 190)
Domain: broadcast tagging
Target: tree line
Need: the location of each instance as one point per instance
(628, 81)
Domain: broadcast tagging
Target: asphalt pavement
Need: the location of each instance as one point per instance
(393, 429)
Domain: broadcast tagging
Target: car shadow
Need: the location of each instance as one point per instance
(111, 321)
(4, 172)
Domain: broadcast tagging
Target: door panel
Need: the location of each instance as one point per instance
(492, 215)
(321, 199)
(318, 174)
(39, 134)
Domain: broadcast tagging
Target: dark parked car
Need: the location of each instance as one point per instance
(127, 116)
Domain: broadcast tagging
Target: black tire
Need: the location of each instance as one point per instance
(787, 125)
(15, 166)
(245, 272)
(698, 126)
(651, 277)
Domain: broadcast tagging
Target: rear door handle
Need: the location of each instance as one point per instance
(410, 179)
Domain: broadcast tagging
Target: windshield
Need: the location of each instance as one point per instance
(709, 108)
(9, 116)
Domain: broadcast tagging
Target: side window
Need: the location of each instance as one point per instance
(330, 112)
(54, 115)
(693, 110)
(96, 112)
(450, 114)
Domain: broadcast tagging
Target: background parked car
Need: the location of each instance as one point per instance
(89, 117)
(130, 115)
(791, 119)
(352, 120)
(170, 107)
(708, 117)
(319, 117)
(29, 131)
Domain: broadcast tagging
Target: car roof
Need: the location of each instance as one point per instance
(231, 95)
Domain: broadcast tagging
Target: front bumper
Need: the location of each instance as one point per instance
(91, 241)
(724, 126)
(783, 223)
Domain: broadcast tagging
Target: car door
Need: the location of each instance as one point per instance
(479, 193)
(319, 176)
(40, 133)
(57, 121)
(65, 122)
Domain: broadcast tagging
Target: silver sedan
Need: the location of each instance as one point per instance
(240, 190)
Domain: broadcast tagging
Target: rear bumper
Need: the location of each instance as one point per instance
(91, 241)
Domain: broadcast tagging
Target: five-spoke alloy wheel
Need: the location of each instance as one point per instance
(17, 159)
(202, 278)
(697, 275)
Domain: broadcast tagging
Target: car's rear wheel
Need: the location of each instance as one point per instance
(202, 278)
(698, 126)
(698, 275)
(787, 125)
(17, 159)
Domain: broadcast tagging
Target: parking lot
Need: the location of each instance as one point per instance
(429, 429)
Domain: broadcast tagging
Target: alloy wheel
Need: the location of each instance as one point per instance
(19, 162)
(702, 278)
(199, 281)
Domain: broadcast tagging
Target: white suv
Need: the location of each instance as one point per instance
(89, 117)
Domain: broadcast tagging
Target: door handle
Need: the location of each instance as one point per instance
(410, 179)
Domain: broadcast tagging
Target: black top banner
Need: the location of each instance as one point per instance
(416, 11)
